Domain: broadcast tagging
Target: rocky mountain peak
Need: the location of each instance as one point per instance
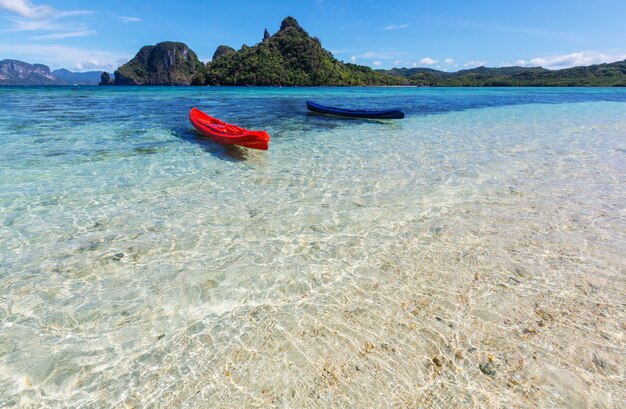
(290, 23)
(105, 79)
(166, 63)
(222, 50)
(21, 73)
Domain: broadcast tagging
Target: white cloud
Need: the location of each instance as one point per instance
(396, 62)
(61, 56)
(72, 13)
(377, 63)
(428, 61)
(474, 63)
(393, 27)
(26, 9)
(33, 17)
(572, 60)
(413, 64)
(93, 63)
(353, 59)
(449, 61)
(69, 34)
(381, 55)
(34, 25)
(126, 19)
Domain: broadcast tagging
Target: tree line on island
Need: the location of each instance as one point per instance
(291, 57)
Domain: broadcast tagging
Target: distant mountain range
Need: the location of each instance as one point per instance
(79, 78)
(14, 72)
(291, 57)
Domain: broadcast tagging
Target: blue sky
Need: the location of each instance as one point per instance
(447, 35)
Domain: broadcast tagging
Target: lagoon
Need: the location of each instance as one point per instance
(471, 254)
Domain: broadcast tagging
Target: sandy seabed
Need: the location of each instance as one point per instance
(474, 259)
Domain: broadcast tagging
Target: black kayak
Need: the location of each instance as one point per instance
(356, 113)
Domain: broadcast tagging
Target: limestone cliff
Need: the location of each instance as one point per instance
(14, 72)
(166, 63)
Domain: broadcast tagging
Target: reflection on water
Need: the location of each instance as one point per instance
(465, 258)
(226, 152)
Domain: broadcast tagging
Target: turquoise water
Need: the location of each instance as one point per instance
(355, 263)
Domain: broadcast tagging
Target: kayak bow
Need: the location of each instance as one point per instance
(225, 133)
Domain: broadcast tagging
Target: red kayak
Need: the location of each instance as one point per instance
(225, 133)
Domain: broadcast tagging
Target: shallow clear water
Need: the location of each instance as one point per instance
(471, 254)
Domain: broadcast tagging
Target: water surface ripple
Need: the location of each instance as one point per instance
(470, 255)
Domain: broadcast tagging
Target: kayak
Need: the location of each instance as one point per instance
(226, 133)
(355, 113)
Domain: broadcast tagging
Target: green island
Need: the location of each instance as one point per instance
(600, 75)
(291, 57)
(166, 63)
